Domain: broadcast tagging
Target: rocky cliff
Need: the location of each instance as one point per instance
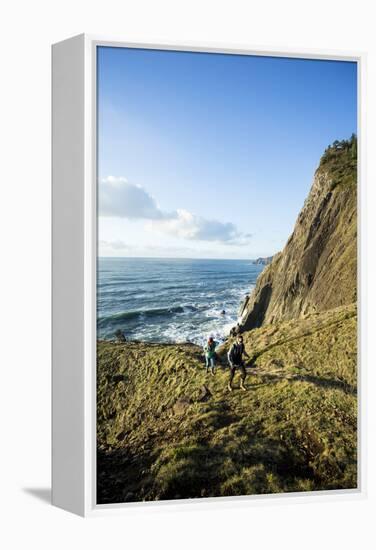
(316, 271)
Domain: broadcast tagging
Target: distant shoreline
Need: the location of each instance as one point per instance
(253, 260)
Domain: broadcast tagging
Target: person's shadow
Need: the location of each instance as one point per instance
(41, 493)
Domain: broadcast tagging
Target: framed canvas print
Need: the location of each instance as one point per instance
(207, 281)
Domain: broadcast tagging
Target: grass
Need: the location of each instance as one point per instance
(340, 160)
(161, 435)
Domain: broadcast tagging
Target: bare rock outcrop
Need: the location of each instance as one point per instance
(316, 270)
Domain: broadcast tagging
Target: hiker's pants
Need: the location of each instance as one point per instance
(210, 362)
(233, 368)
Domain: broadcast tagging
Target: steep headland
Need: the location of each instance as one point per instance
(167, 430)
(263, 261)
(316, 271)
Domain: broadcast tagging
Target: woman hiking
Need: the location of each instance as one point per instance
(210, 354)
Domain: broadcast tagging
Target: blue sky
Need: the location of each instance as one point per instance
(212, 155)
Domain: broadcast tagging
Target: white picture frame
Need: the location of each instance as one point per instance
(74, 253)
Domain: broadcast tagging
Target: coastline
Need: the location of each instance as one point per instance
(172, 302)
(167, 429)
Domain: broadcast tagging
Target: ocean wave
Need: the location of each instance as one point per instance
(142, 313)
(180, 305)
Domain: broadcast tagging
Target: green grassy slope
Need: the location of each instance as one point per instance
(168, 430)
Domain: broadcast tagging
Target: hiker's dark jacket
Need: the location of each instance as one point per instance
(235, 354)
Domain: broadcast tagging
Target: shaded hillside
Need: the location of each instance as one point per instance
(316, 271)
(167, 430)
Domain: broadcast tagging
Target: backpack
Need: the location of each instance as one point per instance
(235, 353)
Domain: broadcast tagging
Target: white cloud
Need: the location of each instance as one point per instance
(121, 246)
(114, 245)
(121, 199)
(185, 225)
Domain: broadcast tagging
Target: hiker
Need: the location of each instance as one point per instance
(233, 332)
(235, 359)
(238, 329)
(210, 354)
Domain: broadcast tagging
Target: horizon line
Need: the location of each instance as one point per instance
(178, 258)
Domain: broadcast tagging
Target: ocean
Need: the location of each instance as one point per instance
(171, 300)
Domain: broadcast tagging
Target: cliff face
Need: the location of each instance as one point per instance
(316, 271)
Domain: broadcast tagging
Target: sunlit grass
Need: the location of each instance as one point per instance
(295, 429)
